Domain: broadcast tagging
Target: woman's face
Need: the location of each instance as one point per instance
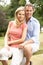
(21, 15)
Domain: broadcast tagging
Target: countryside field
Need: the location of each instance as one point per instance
(37, 57)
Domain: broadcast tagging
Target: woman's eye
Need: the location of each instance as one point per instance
(19, 14)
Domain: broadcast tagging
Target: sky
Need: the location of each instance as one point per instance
(6, 1)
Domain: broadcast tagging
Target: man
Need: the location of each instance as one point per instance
(31, 45)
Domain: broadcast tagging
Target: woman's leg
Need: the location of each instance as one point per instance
(28, 53)
(17, 56)
(4, 56)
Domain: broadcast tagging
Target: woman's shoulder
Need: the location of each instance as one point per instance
(24, 25)
(12, 22)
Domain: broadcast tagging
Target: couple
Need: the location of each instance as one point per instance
(22, 37)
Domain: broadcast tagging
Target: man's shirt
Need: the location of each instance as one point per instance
(33, 30)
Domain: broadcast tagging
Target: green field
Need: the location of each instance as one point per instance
(40, 49)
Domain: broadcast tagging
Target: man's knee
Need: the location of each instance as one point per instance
(28, 47)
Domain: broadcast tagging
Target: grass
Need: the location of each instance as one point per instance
(1, 42)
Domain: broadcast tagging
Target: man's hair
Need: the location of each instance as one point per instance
(30, 4)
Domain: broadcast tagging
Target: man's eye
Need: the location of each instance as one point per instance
(27, 10)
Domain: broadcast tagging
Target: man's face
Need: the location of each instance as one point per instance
(29, 11)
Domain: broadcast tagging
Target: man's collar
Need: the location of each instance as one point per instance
(31, 19)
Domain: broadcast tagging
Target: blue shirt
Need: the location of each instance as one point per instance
(33, 30)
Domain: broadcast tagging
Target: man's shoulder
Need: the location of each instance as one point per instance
(35, 20)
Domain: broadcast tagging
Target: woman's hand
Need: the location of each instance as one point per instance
(21, 46)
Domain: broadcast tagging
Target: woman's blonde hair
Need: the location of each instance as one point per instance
(21, 8)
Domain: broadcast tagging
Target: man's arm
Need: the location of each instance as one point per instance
(35, 36)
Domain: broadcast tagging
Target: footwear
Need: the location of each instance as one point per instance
(30, 63)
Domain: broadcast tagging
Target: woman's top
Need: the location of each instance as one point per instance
(15, 32)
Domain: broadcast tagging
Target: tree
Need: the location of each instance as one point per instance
(13, 6)
(22, 2)
(3, 2)
(3, 21)
(9, 10)
(39, 10)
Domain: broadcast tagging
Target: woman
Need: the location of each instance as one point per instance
(15, 35)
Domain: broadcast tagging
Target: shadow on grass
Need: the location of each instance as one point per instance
(39, 52)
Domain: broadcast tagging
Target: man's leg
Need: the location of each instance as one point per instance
(28, 53)
(4, 62)
(29, 49)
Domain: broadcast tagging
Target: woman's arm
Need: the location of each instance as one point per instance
(19, 41)
(6, 37)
